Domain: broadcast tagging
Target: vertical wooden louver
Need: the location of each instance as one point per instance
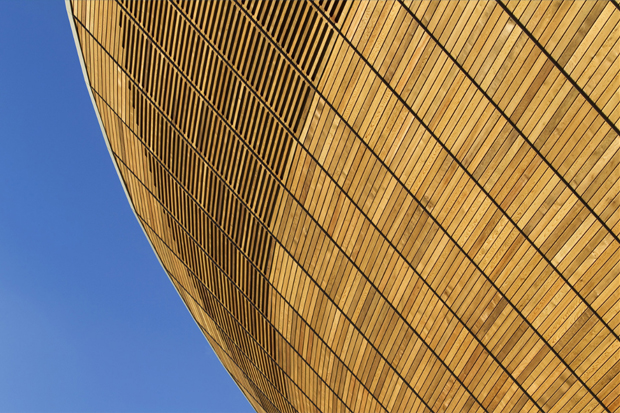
(406, 206)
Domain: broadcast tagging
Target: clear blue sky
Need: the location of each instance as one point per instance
(89, 322)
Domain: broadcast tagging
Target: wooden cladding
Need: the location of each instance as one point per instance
(406, 206)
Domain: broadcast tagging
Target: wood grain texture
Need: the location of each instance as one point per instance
(406, 206)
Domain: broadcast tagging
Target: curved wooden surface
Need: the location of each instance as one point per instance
(406, 206)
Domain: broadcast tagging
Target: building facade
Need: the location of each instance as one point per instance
(406, 206)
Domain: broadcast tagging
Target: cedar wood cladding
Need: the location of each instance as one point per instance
(406, 206)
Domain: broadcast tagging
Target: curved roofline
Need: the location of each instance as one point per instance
(107, 144)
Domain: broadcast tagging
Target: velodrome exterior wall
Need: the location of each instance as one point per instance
(378, 206)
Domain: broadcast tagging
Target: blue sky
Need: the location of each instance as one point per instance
(89, 322)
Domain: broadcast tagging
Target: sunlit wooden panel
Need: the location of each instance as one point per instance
(405, 206)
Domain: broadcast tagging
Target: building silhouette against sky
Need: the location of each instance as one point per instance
(368, 206)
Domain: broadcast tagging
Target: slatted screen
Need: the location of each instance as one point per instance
(406, 206)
